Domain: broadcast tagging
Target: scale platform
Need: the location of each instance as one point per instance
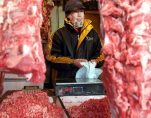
(72, 88)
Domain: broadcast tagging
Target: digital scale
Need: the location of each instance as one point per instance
(69, 88)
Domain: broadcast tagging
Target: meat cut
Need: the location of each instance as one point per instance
(20, 40)
(29, 105)
(127, 49)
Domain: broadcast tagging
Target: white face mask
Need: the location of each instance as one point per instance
(77, 19)
(77, 24)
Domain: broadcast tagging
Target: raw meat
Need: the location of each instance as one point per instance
(29, 105)
(20, 40)
(93, 108)
(127, 49)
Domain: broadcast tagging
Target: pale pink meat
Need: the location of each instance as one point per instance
(127, 50)
(20, 40)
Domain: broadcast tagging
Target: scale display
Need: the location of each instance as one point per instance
(73, 88)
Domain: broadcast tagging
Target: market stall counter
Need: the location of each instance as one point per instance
(34, 103)
(69, 87)
(83, 99)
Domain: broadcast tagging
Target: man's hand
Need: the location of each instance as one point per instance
(93, 60)
(78, 61)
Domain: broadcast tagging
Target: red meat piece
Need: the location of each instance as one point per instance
(29, 105)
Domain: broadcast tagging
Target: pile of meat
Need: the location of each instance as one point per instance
(20, 40)
(93, 108)
(127, 49)
(29, 105)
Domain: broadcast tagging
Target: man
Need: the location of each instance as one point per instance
(74, 43)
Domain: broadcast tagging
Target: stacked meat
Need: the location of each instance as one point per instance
(93, 108)
(20, 41)
(127, 48)
(29, 105)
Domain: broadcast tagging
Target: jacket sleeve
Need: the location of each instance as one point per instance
(97, 50)
(55, 55)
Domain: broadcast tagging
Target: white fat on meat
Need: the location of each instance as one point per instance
(141, 28)
(1, 15)
(138, 40)
(1, 19)
(36, 53)
(31, 29)
(149, 46)
(15, 58)
(34, 10)
(26, 50)
(145, 95)
(145, 8)
(144, 59)
(1, 2)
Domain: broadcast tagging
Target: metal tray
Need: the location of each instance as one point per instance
(69, 101)
(52, 99)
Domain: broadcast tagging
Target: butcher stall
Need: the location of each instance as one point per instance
(29, 103)
(25, 29)
(125, 88)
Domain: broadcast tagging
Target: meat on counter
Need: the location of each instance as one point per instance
(24, 104)
(92, 108)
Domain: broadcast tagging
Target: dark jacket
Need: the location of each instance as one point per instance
(68, 44)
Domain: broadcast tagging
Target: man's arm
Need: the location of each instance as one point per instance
(98, 57)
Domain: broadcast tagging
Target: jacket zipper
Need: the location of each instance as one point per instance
(78, 37)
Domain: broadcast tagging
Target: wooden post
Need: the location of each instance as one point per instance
(1, 81)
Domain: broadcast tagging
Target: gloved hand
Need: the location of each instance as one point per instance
(77, 62)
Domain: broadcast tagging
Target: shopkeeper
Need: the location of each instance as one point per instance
(76, 42)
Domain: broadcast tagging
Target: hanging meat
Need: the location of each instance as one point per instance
(20, 40)
(127, 49)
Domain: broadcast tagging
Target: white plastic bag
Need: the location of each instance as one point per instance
(88, 73)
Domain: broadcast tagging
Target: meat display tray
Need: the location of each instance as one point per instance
(82, 88)
(52, 99)
(69, 101)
